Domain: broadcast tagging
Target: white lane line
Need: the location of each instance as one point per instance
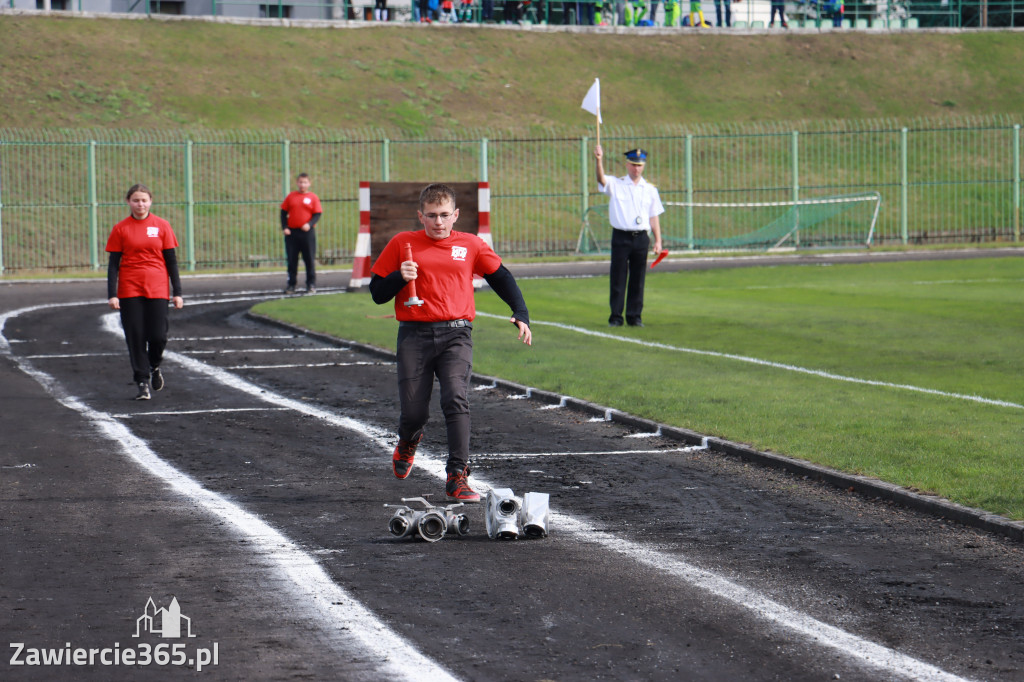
(768, 363)
(314, 364)
(891, 662)
(656, 434)
(590, 453)
(178, 413)
(327, 603)
(224, 351)
(58, 356)
(233, 338)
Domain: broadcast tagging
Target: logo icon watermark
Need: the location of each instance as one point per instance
(167, 622)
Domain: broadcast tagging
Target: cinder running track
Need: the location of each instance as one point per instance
(251, 490)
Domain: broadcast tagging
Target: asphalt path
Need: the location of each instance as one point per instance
(251, 490)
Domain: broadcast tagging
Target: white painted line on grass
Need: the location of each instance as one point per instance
(768, 363)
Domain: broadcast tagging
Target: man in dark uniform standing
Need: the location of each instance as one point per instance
(633, 209)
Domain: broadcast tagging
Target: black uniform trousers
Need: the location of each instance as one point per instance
(425, 351)
(629, 258)
(145, 331)
(301, 243)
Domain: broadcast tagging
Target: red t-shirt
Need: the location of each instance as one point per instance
(141, 244)
(445, 276)
(300, 206)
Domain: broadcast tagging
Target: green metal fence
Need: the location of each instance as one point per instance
(62, 190)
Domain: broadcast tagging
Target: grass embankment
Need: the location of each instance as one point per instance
(74, 72)
(951, 326)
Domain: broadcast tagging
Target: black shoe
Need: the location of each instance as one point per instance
(156, 379)
(614, 323)
(635, 323)
(311, 289)
(143, 391)
(290, 289)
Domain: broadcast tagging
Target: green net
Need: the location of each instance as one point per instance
(759, 226)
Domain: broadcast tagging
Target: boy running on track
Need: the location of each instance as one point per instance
(435, 335)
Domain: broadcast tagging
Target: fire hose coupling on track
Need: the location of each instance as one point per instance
(505, 514)
(430, 523)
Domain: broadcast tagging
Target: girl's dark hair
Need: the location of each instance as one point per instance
(138, 187)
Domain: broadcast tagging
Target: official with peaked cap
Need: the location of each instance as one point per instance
(633, 209)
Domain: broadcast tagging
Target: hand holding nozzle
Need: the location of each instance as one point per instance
(407, 258)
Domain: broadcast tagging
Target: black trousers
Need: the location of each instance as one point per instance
(301, 243)
(145, 331)
(447, 353)
(628, 270)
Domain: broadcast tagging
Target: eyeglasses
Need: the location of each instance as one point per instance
(445, 217)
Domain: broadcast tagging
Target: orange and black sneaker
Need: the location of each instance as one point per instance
(457, 487)
(401, 460)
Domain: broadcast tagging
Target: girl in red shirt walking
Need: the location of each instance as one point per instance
(142, 259)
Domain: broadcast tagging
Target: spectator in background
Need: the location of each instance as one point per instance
(696, 12)
(448, 12)
(838, 8)
(486, 11)
(652, 10)
(380, 10)
(671, 12)
(585, 12)
(728, 12)
(465, 11)
(780, 7)
(636, 10)
(620, 12)
(300, 212)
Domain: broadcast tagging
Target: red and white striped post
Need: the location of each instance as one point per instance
(361, 264)
(483, 198)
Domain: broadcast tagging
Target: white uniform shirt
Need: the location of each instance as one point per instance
(627, 202)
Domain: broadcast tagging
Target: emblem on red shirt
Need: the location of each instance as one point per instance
(152, 231)
(459, 252)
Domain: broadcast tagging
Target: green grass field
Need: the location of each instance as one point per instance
(64, 71)
(949, 327)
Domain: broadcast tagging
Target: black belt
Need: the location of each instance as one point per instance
(631, 233)
(435, 325)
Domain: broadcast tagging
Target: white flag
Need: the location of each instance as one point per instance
(592, 102)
